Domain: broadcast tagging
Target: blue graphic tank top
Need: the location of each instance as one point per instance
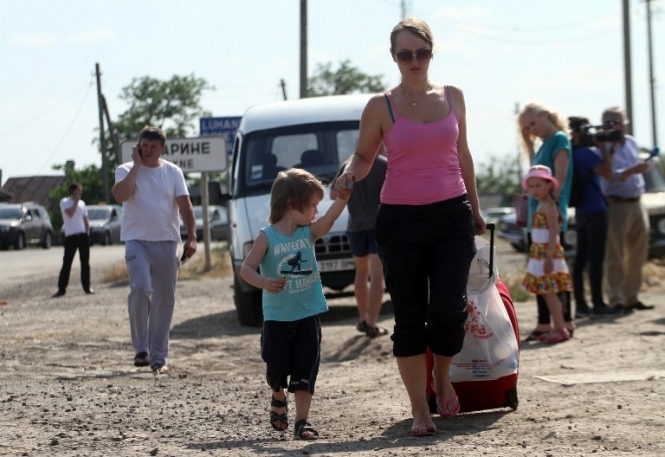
(292, 257)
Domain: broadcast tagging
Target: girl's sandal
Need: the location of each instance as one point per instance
(303, 430)
(279, 422)
(555, 336)
(534, 335)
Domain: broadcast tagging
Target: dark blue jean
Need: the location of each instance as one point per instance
(591, 238)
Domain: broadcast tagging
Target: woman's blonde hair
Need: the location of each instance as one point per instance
(293, 188)
(538, 108)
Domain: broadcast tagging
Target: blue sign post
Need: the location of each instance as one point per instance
(220, 126)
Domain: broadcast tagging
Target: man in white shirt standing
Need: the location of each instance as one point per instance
(77, 236)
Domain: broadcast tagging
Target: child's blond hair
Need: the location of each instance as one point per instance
(293, 188)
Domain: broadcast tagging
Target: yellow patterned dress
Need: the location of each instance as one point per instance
(536, 280)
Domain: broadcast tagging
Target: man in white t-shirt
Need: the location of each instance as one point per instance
(152, 192)
(77, 237)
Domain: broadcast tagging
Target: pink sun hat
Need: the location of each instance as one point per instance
(539, 171)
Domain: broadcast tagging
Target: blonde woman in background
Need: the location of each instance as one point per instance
(542, 127)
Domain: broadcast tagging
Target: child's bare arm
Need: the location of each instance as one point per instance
(322, 225)
(248, 270)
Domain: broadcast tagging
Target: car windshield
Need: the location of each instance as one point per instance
(98, 213)
(318, 148)
(10, 213)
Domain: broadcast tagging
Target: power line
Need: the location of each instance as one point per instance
(67, 131)
(39, 116)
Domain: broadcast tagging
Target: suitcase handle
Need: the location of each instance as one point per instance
(491, 227)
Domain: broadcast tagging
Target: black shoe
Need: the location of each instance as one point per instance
(59, 293)
(604, 310)
(90, 292)
(638, 305)
(582, 311)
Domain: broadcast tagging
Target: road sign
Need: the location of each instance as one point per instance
(220, 126)
(207, 154)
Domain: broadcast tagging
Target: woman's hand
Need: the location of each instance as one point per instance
(480, 224)
(549, 265)
(344, 185)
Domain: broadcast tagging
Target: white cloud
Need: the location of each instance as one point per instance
(91, 36)
(36, 40)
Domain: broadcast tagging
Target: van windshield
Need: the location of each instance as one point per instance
(318, 148)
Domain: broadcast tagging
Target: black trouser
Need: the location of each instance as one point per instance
(80, 241)
(591, 237)
(564, 297)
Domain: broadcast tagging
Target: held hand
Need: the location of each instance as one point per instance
(274, 285)
(344, 185)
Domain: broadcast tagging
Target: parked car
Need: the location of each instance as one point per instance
(492, 215)
(317, 134)
(653, 200)
(22, 224)
(105, 221)
(218, 217)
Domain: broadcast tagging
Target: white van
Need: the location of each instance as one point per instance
(317, 134)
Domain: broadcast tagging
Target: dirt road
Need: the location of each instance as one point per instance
(68, 386)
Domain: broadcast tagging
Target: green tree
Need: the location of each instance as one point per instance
(346, 79)
(173, 105)
(501, 175)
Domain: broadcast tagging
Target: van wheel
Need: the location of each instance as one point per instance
(248, 305)
(20, 242)
(46, 243)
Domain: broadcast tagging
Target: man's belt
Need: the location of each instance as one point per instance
(615, 199)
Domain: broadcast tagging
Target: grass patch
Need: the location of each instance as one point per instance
(513, 281)
(194, 268)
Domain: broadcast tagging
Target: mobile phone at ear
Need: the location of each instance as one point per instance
(140, 151)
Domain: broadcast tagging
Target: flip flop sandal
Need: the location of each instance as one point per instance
(362, 327)
(373, 332)
(303, 426)
(448, 407)
(276, 419)
(141, 359)
(534, 335)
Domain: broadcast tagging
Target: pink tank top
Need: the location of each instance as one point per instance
(423, 165)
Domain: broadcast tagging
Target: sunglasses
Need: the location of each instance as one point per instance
(422, 55)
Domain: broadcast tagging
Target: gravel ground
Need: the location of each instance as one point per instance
(69, 387)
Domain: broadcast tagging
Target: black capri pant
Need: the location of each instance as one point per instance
(426, 252)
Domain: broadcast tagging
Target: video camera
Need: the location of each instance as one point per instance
(593, 134)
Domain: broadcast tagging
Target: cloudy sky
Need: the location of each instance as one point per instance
(568, 54)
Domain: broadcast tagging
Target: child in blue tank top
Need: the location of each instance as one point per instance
(292, 293)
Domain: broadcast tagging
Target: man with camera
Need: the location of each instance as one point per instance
(628, 222)
(590, 163)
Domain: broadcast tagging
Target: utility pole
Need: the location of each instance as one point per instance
(283, 84)
(303, 48)
(628, 79)
(652, 80)
(405, 9)
(102, 136)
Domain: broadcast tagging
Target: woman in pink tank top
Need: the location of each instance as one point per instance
(428, 217)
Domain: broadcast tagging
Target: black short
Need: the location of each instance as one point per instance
(362, 243)
(292, 349)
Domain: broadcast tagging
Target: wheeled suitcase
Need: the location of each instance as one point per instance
(485, 373)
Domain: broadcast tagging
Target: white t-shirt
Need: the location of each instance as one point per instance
(73, 225)
(151, 213)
